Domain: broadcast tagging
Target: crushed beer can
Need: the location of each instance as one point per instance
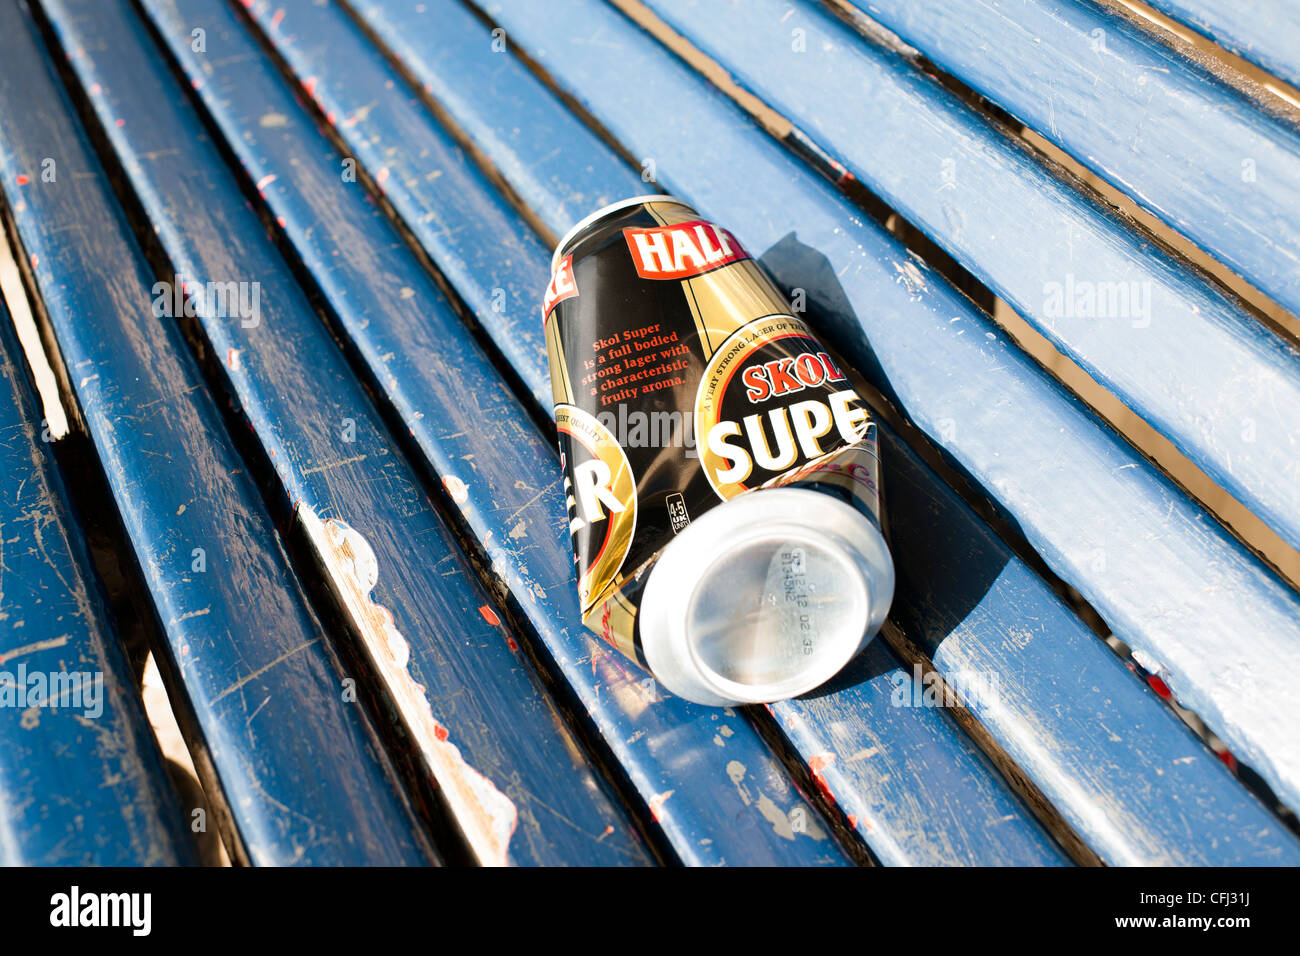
(721, 471)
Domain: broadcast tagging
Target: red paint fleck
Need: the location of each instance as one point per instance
(23, 180)
(853, 821)
(512, 643)
(121, 122)
(196, 83)
(34, 260)
(381, 177)
(95, 89)
(606, 631)
(248, 4)
(1227, 757)
(309, 84)
(277, 17)
(657, 803)
(440, 731)
(329, 117)
(265, 181)
(816, 765)
(280, 220)
(1159, 686)
(490, 616)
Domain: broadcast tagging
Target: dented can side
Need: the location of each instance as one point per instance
(681, 379)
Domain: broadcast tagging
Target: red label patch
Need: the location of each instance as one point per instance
(682, 250)
(561, 287)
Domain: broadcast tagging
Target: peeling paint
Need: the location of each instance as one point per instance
(456, 488)
(772, 814)
(657, 803)
(817, 764)
(487, 817)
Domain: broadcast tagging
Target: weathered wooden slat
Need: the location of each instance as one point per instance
(1161, 128)
(986, 824)
(1120, 765)
(1222, 630)
(478, 265)
(719, 796)
(81, 779)
(297, 765)
(508, 769)
(976, 609)
(1169, 344)
(1265, 32)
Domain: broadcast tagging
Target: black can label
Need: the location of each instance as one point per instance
(681, 379)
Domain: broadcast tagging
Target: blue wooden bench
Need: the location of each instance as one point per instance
(287, 259)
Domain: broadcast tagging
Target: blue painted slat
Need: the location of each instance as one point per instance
(719, 795)
(1172, 347)
(1265, 32)
(481, 265)
(441, 69)
(512, 775)
(1166, 577)
(996, 614)
(986, 824)
(296, 764)
(1159, 127)
(550, 159)
(1121, 767)
(81, 783)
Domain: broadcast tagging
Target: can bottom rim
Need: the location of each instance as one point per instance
(765, 597)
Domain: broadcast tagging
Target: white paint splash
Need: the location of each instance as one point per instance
(487, 817)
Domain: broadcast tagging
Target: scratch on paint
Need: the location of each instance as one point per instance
(333, 464)
(486, 815)
(910, 276)
(189, 614)
(33, 648)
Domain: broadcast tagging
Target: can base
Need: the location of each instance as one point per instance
(765, 597)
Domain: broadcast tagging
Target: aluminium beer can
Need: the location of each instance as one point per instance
(721, 470)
